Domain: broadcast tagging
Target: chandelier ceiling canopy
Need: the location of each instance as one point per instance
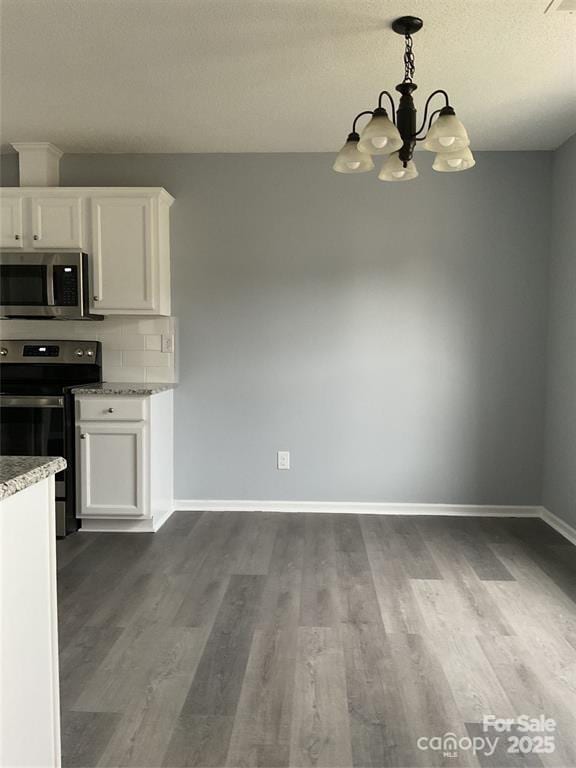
(396, 135)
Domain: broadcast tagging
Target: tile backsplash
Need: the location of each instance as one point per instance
(131, 346)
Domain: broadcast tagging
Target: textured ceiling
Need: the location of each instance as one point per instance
(275, 75)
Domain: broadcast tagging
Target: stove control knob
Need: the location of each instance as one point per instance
(79, 352)
(3, 351)
(89, 353)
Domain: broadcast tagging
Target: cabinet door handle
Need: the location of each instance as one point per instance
(96, 298)
(83, 436)
(17, 237)
(36, 237)
(110, 410)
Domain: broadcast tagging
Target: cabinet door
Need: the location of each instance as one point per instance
(113, 479)
(124, 254)
(11, 230)
(56, 222)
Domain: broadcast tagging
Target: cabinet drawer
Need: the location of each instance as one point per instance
(112, 408)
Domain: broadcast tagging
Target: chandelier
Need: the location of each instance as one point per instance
(396, 138)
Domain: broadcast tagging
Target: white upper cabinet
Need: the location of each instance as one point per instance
(124, 254)
(131, 252)
(11, 222)
(57, 222)
(124, 230)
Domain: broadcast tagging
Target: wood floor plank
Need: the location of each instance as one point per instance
(124, 600)
(148, 720)
(81, 658)
(480, 555)
(69, 548)
(357, 601)
(199, 740)
(533, 692)
(547, 601)
(319, 600)
(407, 539)
(474, 685)
(263, 718)
(378, 722)
(218, 680)
(170, 545)
(461, 602)
(557, 655)
(320, 734)
(347, 533)
(254, 549)
(140, 654)
(214, 533)
(84, 737)
(282, 594)
(89, 582)
(398, 605)
(426, 697)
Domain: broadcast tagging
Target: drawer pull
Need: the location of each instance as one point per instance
(110, 410)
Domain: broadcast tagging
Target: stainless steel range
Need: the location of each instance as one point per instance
(37, 408)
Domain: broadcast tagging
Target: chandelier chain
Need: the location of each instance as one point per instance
(409, 62)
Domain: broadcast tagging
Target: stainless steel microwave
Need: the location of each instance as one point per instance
(45, 285)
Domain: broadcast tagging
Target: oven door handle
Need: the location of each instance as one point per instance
(31, 401)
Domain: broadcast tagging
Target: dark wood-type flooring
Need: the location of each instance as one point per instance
(253, 639)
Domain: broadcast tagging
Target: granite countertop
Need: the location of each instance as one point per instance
(19, 472)
(121, 388)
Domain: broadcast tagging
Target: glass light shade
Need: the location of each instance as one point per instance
(447, 134)
(380, 136)
(393, 170)
(351, 160)
(449, 162)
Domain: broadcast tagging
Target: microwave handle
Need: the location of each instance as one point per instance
(50, 285)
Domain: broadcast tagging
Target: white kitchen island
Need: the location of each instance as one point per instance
(29, 687)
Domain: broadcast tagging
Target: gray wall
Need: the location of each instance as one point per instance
(560, 474)
(391, 336)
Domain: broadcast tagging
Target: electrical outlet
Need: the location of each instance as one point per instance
(283, 460)
(167, 343)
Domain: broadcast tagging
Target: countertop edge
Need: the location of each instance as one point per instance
(121, 389)
(25, 477)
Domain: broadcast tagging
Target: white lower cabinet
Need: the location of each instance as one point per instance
(124, 461)
(113, 469)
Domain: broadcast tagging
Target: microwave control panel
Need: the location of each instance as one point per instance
(66, 285)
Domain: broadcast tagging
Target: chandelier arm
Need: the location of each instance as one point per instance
(358, 116)
(385, 93)
(428, 100)
(432, 116)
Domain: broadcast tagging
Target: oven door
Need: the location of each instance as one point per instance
(36, 426)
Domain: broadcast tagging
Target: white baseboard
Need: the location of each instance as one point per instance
(113, 525)
(345, 507)
(563, 528)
